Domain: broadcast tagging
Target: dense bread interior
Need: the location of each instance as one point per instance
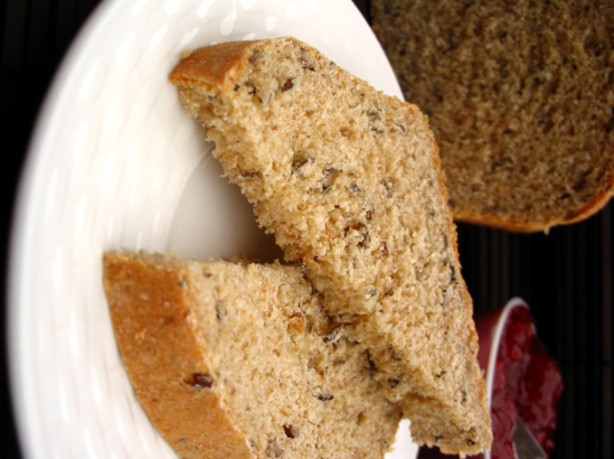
(348, 181)
(521, 100)
(285, 374)
(286, 371)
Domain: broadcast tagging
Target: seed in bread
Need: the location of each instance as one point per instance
(239, 360)
(521, 100)
(348, 181)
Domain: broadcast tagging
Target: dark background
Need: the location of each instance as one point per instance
(566, 276)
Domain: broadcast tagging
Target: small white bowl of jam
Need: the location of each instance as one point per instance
(523, 384)
(523, 381)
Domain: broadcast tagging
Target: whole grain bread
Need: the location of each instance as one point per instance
(239, 360)
(521, 101)
(348, 180)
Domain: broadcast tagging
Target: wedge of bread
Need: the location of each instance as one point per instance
(239, 360)
(348, 181)
(521, 100)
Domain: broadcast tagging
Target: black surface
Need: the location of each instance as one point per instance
(566, 276)
(34, 35)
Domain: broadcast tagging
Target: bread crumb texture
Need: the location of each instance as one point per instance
(521, 99)
(348, 180)
(239, 360)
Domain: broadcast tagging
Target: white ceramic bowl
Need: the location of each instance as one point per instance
(490, 328)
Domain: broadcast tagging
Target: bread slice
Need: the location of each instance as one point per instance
(239, 360)
(348, 181)
(521, 101)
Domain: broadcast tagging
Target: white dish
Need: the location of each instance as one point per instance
(113, 163)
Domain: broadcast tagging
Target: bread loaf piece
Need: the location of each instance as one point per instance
(521, 101)
(238, 360)
(348, 181)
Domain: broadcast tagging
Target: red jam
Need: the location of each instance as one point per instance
(527, 384)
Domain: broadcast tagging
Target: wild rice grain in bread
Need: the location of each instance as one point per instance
(239, 360)
(521, 100)
(348, 181)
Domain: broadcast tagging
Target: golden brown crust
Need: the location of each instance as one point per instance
(153, 331)
(202, 66)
